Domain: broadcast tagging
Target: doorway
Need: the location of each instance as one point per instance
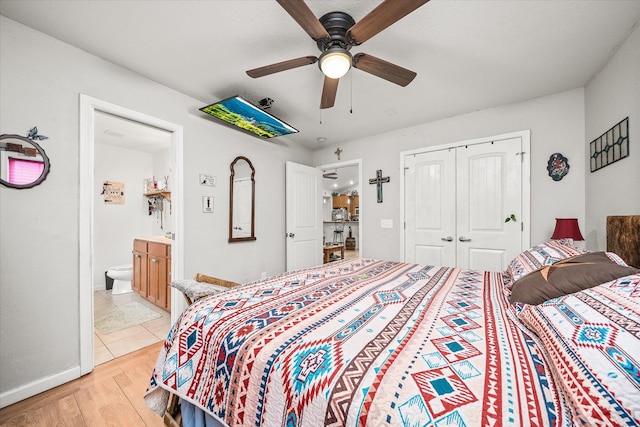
(342, 206)
(90, 109)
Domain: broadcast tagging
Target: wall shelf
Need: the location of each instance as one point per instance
(165, 194)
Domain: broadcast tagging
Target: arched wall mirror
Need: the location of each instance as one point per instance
(242, 200)
(23, 163)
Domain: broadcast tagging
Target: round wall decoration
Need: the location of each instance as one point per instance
(558, 166)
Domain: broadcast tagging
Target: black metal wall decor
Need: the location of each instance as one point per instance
(379, 180)
(558, 166)
(611, 146)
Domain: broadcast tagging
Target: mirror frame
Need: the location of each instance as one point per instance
(45, 160)
(253, 201)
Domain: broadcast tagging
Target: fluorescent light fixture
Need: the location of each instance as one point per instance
(335, 62)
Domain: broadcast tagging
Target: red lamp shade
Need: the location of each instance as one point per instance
(567, 228)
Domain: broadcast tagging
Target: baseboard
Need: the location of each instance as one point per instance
(47, 383)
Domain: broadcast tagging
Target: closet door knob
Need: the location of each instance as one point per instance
(447, 239)
(464, 239)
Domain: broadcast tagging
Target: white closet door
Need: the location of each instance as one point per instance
(430, 208)
(489, 190)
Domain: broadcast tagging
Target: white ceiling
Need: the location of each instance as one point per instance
(124, 133)
(347, 177)
(469, 55)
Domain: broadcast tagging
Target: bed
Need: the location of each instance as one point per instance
(368, 342)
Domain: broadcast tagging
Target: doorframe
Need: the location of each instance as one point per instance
(524, 135)
(88, 107)
(338, 165)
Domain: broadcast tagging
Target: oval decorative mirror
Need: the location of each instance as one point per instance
(242, 200)
(23, 163)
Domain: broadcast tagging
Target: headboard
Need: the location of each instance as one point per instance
(623, 238)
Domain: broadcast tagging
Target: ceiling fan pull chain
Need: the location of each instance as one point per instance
(351, 78)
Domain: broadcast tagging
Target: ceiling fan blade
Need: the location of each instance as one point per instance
(383, 69)
(301, 13)
(386, 14)
(329, 90)
(331, 175)
(281, 66)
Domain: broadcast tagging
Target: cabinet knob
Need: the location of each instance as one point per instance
(154, 260)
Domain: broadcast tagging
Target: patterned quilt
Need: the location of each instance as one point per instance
(593, 341)
(360, 342)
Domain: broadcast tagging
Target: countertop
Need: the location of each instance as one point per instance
(156, 239)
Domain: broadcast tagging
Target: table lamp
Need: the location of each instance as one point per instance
(567, 228)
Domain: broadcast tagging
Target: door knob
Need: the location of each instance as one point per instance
(291, 235)
(464, 239)
(447, 239)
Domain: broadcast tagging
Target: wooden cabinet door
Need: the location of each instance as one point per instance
(341, 201)
(152, 272)
(155, 271)
(140, 273)
(158, 281)
(354, 202)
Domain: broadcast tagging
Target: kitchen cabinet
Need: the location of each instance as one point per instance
(355, 203)
(348, 202)
(341, 202)
(152, 271)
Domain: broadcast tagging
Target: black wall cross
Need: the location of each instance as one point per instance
(379, 180)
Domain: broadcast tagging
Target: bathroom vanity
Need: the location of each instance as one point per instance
(152, 270)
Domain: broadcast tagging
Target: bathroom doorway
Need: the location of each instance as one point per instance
(342, 212)
(119, 147)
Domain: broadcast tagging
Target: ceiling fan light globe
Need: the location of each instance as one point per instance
(335, 63)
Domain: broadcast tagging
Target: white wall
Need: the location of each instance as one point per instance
(556, 123)
(115, 226)
(610, 96)
(39, 293)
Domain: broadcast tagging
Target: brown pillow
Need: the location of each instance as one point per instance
(566, 277)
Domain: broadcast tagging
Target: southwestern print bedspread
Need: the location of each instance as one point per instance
(359, 343)
(593, 340)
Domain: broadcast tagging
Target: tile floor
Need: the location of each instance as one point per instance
(110, 346)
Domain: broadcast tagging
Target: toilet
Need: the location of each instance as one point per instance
(121, 275)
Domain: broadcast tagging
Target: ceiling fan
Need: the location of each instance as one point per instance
(335, 34)
(330, 175)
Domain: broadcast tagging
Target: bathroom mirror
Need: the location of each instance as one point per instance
(23, 163)
(242, 200)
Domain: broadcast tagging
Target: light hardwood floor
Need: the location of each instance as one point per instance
(112, 395)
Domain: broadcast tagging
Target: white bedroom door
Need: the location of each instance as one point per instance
(489, 190)
(456, 203)
(303, 216)
(430, 204)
